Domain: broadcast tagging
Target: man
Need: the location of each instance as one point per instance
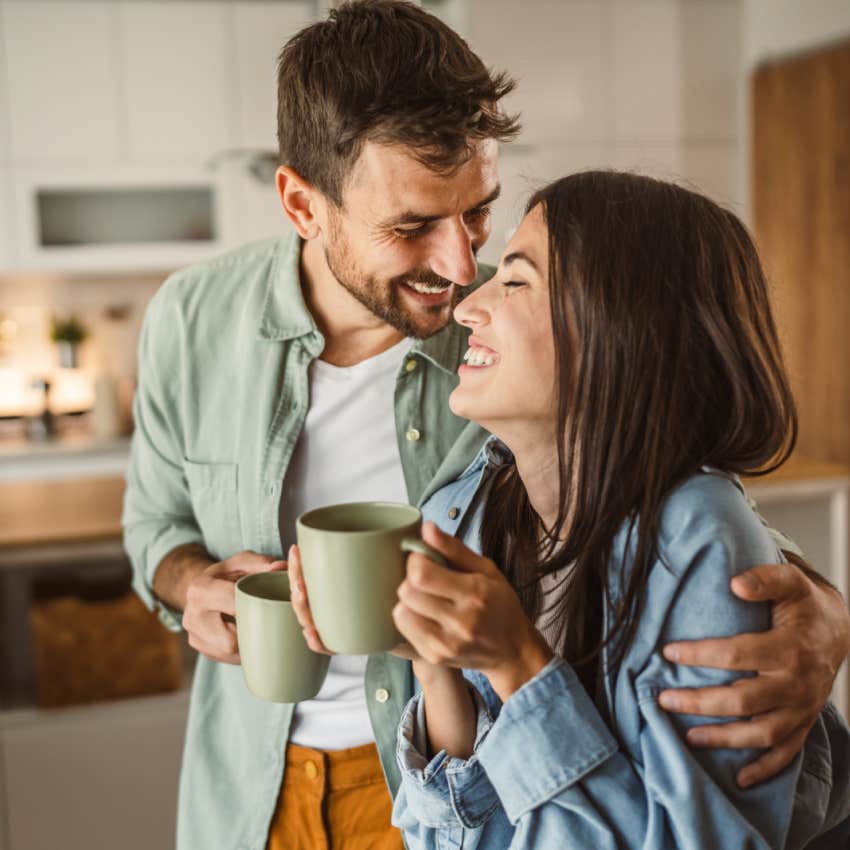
(316, 368)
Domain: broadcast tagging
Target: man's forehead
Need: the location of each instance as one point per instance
(392, 181)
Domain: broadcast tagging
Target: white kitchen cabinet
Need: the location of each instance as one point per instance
(676, 70)
(260, 31)
(178, 74)
(100, 776)
(558, 52)
(116, 217)
(61, 71)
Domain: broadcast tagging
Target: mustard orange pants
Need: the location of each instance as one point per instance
(334, 800)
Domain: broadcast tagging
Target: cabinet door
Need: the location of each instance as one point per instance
(103, 776)
(178, 74)
(557, 51)
(261, 29)
(61, 79)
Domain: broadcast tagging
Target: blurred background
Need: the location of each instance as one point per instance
(137, 136)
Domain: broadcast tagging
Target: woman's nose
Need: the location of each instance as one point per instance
(473, 310)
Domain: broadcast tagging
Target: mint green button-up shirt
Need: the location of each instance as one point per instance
(221, 400)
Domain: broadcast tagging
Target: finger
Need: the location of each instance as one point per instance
(249, 563)
(455, 551)
(298, 593)
(420, 632)
(774, 760)
(311, 636)
(763, 730)
(213, 595)
(426, 604)
(775, 582)
(426, 576)
(742, 698)
(215, 639)
(755, 651)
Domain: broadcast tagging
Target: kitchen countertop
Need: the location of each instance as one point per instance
(44, 512)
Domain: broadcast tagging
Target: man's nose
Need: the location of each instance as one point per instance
(455, 260)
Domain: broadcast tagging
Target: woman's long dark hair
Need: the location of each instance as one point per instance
(667, 360)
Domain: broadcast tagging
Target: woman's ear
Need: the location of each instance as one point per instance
(299, 200)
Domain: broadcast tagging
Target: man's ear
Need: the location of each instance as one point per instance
(299, 200)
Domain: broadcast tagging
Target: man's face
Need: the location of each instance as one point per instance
(405, 240)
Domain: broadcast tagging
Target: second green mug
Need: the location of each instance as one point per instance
(353, 556)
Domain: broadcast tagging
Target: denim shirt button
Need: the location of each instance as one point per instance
(453, 513)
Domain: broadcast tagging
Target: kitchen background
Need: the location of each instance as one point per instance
(137, 136)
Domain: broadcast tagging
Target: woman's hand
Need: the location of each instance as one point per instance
(796, 661)
(468, 616)
(301, 605)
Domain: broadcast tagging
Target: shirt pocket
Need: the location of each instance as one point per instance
(213, 488)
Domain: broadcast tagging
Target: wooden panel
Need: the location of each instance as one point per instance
(801, 197)
(42, 512)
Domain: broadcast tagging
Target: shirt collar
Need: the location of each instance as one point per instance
(284, 315)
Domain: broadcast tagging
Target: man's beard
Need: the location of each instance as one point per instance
(383, 299)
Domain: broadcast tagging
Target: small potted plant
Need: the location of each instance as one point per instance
(68, 334)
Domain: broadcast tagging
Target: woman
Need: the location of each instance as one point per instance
(625, 358)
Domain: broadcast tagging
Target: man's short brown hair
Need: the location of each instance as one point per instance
(384, 71)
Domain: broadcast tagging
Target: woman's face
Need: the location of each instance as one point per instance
(508, 377)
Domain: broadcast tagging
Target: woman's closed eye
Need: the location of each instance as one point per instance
(513, 284)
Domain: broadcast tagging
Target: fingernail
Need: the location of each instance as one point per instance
(745, 779)
(697, 737)
(671, 653)
(669, 701)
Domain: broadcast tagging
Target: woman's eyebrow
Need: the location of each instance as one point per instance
(519, 255)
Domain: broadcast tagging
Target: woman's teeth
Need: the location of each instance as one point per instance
(426, 288)
(478, 357)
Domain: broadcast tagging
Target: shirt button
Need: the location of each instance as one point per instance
(382, 695)
(311, 770)
(410, 366)
(272, 489)
(453, 512)
(412, 435)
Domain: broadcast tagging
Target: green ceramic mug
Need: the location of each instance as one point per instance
(353, 556)
(277, 663)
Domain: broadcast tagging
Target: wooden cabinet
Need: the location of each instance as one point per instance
(62, 67)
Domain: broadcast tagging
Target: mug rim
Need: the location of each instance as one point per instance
(242, 580)
(304, 519)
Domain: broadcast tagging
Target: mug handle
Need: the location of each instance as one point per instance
(414, 544)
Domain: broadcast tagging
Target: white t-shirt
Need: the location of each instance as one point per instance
(347, 452)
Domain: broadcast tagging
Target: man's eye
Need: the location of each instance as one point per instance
(480, 212)
(412, 232)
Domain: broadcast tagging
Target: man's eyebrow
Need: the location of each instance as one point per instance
(519, 255)
(411, 217)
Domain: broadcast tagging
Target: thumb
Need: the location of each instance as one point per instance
(776, 582)
(455, 551)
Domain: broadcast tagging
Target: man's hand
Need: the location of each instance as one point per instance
(210, 607)
(796, 663)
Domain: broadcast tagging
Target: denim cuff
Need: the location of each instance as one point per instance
(547, 737)
(445, 791)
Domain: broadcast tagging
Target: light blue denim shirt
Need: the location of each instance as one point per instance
(553, 768)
